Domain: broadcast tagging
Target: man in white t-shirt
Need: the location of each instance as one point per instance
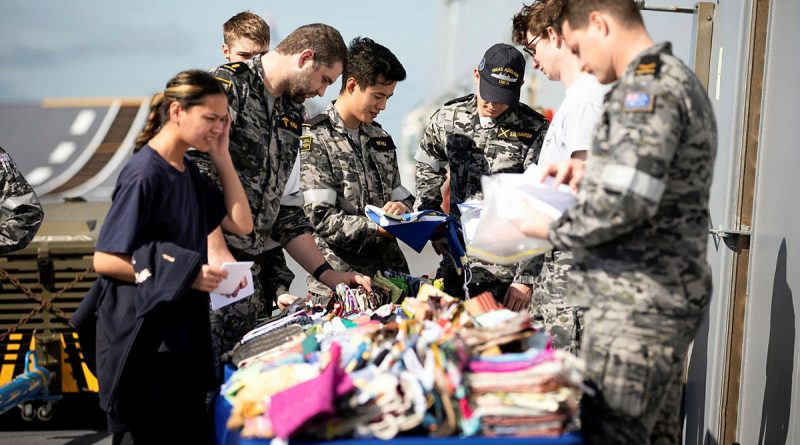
(569, 136)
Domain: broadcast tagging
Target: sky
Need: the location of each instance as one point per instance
(101, 48)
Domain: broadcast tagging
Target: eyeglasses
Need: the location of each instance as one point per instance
(530, 47)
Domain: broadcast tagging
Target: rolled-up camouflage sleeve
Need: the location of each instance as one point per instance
(20, 210)
(340, 229)
(291, 221)
(626, 174)
(431, 157)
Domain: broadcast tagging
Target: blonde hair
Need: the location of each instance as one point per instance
(188, 88)
(246, 24)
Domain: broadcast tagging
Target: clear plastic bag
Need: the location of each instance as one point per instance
(489, 231)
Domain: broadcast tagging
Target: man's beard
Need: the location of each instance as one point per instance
(297, 90)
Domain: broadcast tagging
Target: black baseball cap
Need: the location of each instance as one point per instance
(502, 70)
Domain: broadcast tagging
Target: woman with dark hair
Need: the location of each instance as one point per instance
(154, 357)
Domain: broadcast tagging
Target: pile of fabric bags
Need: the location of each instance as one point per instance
(425, 365)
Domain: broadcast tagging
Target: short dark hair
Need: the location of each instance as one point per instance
(370, 63)
(577, 12)
(246, 24)
(324, 40)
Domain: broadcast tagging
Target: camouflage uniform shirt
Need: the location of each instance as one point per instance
(20, 211)
(638, 233)
(264, 146)
(456, 139)
(339, 178)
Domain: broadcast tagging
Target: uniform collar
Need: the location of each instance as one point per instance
(258, 68)
(472, 109)
(337, 123)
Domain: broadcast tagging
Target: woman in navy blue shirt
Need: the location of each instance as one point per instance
(160, 196)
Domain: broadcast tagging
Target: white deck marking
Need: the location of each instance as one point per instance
(83, 121)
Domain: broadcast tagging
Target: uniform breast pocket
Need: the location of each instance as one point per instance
(462, 154)
(346, 177)
(289, 139)
(507, 157)
(386, 165)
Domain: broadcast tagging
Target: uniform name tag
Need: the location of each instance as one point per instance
(290, 124)
(514, 135)
(639, 102)
(382, 143)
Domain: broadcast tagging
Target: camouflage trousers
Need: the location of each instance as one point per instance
(549, 303)
(230, 323)
(271, 277)
(635, 361)
(566, 324)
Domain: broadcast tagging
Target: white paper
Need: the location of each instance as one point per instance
(236, 272)
(221, 300)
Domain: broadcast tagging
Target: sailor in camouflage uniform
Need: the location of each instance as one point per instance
(482, 134)
(20, 211)
(638, 231)
(246, 35)
(349, 162)
(264, 98)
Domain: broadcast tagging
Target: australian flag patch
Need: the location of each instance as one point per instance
(639, 102)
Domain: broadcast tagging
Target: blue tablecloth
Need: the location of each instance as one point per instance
(222, 410)
(567, 439)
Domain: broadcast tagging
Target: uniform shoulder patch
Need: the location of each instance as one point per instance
(316, 120)
(639, 102)
(305, 143)
(227, 84)
(459, 99)
(236, 67)
(649, 65)
(527, 110)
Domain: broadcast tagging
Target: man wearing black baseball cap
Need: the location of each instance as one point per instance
(481, 134)
(501, 75)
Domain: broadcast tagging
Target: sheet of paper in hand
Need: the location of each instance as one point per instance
(221, 296)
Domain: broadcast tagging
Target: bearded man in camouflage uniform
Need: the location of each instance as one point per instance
(638, 231)
(20, 211)
(265, 96)
(246, 35)
(482, 134)
(349, 162)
